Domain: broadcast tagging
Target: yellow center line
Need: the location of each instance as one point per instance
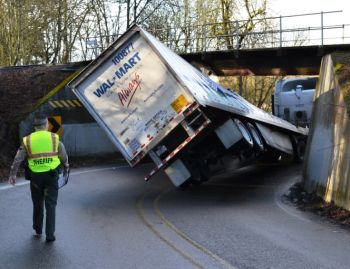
(141, 213)
(184, 236)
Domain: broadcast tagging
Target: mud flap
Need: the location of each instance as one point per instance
(177, 172)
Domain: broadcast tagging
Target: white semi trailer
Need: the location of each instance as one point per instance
(152, 102)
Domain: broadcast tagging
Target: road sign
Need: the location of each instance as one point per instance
(55, 124)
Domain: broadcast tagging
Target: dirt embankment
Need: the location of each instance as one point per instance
(315, 204)
(21, 88)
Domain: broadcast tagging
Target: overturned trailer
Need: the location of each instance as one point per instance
(152, 102)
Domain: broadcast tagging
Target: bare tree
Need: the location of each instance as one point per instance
(135, 9)
(55, 31)
(20, 41)
(64, 26)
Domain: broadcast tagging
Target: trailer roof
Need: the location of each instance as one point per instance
(209, 93)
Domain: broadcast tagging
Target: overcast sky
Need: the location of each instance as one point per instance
(291, 7)
(295, 7)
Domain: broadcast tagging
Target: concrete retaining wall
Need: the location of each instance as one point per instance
(327, 165)
(80, 140)
(79, 132)
(86, 140)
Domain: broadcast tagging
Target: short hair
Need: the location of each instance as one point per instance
(40, 119)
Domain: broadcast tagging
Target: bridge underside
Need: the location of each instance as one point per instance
(262, 62)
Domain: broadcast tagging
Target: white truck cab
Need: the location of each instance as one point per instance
(293, 99)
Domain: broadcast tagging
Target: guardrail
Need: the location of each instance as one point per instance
(282, 31)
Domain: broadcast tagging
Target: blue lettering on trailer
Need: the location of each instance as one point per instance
(130, 64)
(103, 88)
(122, 53)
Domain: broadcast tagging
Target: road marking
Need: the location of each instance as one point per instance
(283, 206)
(185, 237)
(139, 206)
(17, 184)
(155, 206)
(73, 173)
(99, 169)
(241, 186)
(286, 209)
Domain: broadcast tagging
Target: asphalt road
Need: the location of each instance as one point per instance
(107, 217)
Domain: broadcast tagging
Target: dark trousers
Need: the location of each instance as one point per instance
(44, 189)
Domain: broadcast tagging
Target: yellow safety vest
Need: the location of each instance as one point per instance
(42, 151)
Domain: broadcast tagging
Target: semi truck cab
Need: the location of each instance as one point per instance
(293, 100)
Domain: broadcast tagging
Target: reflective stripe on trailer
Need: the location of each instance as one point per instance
(175, 151)
(187, 110)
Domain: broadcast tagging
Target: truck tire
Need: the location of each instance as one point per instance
(258, 142)
(191, 182)
(196, 178)
(270, 156)
(185, 185)
(244, 131)
(198, 174)
(299, 147)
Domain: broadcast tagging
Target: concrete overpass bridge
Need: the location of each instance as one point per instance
(282, 45)
(265, 61)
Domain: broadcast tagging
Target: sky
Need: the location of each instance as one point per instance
(291, 7)
(294, 7)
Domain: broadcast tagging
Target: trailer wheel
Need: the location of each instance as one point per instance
(185, 185)
(244, 131)
(299, 147)
(190, 182)
(198, 175)
(258, 142)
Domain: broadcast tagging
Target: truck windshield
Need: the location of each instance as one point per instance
(307, 84)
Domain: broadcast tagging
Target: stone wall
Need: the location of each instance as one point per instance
(21, 88)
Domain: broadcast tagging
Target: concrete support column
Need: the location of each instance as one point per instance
(327, 165)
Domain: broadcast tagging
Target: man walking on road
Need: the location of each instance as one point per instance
(45, 153)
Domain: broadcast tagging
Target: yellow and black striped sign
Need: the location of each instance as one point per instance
(55, 125)
(68, 103)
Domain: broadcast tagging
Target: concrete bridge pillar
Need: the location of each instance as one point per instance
(327, 166)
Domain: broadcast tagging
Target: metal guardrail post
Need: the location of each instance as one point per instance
(237, 34)
(204, 37)
(321, 28)
(280, 31)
